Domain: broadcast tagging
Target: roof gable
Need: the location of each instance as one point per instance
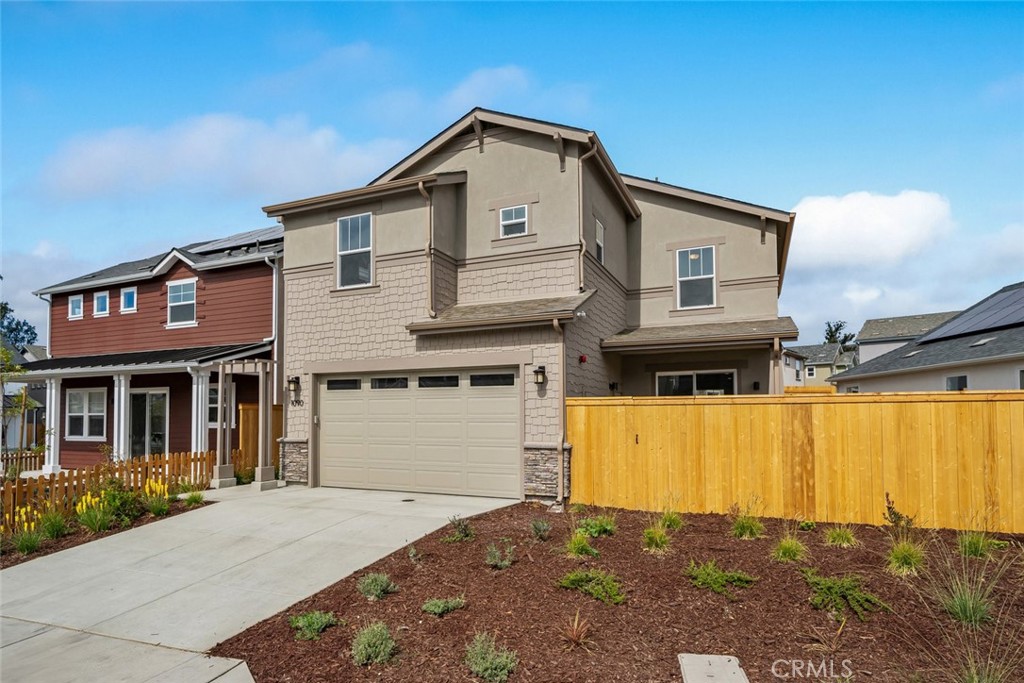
(901, 327)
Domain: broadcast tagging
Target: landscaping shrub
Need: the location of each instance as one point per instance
(671, 520)
(806, 525)
(962, 586)
(194, 498)
(578, 545)
(789, 549)
(656, 539)
(905, 557)
(577, 634)
(496, 559)
(94, 513)
(373, 645)
(245, 476)
(709, 575)
(309, 625)
(602, 525)
(125, 506)
(53, 522)
(577, 509)
(442, 606)
(414, 555)
(840, 536)
(896, 519)
(485, 660)
(461, 531)
(836, 593)
(155, 498)
(745, 524)
(541, 529)
(25, 534)
(375, 585)
(595, 583)
(978, 543)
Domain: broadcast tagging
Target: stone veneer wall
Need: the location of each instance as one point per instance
(295, 461)
(540, 472)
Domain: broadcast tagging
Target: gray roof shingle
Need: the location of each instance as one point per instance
(502, 312)
(690, 334)
(818, 354)
(901, 327)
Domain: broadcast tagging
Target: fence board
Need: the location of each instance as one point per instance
(953, 459)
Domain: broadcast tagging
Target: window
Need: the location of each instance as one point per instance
(87, 414)
(389, 383)
(599, 241)
(798, 374)
(100, 304)
(787, 361)
(810, 370)
(956, 383)
(211, 407)
(355, 240)
(855, 389)
(344, 384)
(181, 303)
(702, 383)
(438, 382)
(1020, 384)
(75, 306)
(513, 221)
(695, 273)
(493, 380)
(129, 296)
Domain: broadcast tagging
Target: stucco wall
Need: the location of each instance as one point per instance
(867, 351)
(751, 366)
(991, 376)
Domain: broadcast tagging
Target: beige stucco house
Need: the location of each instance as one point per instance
(436, 319)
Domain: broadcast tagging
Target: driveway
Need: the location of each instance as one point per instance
(144, 605)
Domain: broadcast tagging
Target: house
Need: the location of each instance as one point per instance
(822, 361)
(133, 348)
(882, 335)
(436, 318)
(23, 409)
(979, 348)
(792, 368)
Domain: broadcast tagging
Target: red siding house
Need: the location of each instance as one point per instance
(134, 348)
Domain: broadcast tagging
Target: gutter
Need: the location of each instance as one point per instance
(428, 249)
(49, 319)
(437, 326)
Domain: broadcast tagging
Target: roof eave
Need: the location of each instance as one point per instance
(362, 194)
(439, 327)
(703, 341)
(848, 376)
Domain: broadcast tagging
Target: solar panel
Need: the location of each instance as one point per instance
(1002, 309)
(240, 240)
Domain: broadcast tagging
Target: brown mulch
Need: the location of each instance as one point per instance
(10, 557)
(663, 615)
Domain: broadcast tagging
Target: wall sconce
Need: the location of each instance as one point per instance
(539, 375)
(294, 384)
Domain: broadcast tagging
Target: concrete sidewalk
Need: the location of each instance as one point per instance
(144, 605)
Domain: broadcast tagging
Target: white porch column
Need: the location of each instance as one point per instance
(53, 426)
(200, 408)
(122, 416)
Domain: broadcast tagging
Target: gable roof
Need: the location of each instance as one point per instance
(819, 354)
(901, 327)
(1003, 309)
(243, 247)
(36, 352)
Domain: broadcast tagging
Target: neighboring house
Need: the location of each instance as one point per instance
(133, 348)
(980, 348)
(879, 336)
(33, 352)
(792, 368)
(821, 361)
(436, 319)
(23, 409)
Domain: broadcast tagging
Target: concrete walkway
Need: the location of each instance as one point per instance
(145, 604)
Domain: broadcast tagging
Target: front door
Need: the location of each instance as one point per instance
(149, 422)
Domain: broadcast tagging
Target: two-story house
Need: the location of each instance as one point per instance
(436, 319)
(879, 336)
(133, 348)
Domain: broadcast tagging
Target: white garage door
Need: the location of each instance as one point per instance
(439, 431)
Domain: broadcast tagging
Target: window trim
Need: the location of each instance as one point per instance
(85, 414)
(673, 373)
(338, 252)
(232, 408)
(135, 293)
(95, 298)
(599, 235)
(810, 370)
(713, 277)
(525, 221)
(81, 307)
(195, 303)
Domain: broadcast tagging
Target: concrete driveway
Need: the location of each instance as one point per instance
(145, 604)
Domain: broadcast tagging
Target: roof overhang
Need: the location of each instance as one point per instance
(362, 194)
(851, 376)
(732, 341)
(98, 369)
(533, 320)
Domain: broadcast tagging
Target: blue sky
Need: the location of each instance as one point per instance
(895, 130)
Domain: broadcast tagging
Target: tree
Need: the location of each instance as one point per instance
(17, 333)
(835, 333)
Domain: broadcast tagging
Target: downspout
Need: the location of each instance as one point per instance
(273, 321)
(579, 209)
(561, 416)
(49, 321)
(428, 250)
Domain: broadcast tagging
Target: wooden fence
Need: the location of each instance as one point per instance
(954, 459)
(248, 435)
(21, 461)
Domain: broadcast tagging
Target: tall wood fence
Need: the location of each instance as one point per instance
(248, 435)
(954, 459)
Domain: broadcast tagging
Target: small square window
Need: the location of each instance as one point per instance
(389, 383)
(810, 370)
(492, 380)
(129, 299)
(100, 304)
(956, 383)
(513, 221)
(75, 306)
(344, 384)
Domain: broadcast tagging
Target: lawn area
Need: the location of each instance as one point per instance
(762, 615)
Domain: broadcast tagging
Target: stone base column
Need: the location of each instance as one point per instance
(264, 480)
(294, 460)
(540, 472)
(223, 477)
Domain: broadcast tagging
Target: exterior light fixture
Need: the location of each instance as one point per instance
(539, 375)
(293, 385)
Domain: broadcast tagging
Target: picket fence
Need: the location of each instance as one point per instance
(21, 461)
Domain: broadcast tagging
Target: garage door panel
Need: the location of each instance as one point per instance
(440, 430)
(489, 456)
(480, 405)
(431, 404)
(490, 432)
(388, 430)
(380, 477)
(493, 484)
(440, 480)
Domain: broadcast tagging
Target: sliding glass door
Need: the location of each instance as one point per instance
(150, 421)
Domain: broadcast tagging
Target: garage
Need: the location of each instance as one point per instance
(436, 431)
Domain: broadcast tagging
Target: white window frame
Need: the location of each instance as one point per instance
(195, 303)
(347, 252)
(810, 371)
(212, 424)
(694, 373)
(80, 298)
(95, 301)
(599, 240)
(135, 300)
(713, 277)
(85, 414)
(502, 223)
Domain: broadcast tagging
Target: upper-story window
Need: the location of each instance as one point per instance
(100, 304)
(513, 221)
(695, 273)
(599, 241)
(129, 299)
(355, 251)
(181, 303)
(810, 371)
(76, 305)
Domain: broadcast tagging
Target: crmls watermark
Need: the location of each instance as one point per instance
(824, 669)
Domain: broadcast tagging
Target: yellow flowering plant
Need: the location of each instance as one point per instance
(93, 512)
(156, 498)
(25, 535)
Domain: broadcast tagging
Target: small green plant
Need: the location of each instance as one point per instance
(896, 519)
(194, 498)
(486, 660)
(125, 506)
(461, 530)
(94, 513)
(576, 634)
(841, 536)
(245, 476)
(745, 523)
(602, 525)
(578, 545)
(577, 509)
(309, 625)
(595, 583)
(978, 543)
(541, 529)
(656, 539)
(373, 644)
(806, 525)
(671, 520)
(375, 585)
(158, 506)
(709, 575)
(905, 558)
(497, 559)
(442, 606)
(789, 549)
(414, 555)
(53, 522)
(965, 588)
(836, 593)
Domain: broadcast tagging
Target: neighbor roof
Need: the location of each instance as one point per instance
(502, 314)
(705, 333)
(1005, 308)
(36, 351)
(162, 359)
(901, 327)
(818, 354)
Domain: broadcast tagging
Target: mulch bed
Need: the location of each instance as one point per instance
(10, 557)
(663, 615)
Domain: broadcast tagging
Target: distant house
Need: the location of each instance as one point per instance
(822, 361)
(879, 336)
(980, 348)
(792, 368)
(22, 420)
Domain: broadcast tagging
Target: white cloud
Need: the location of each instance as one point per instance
(867, 229)
(859, 294)
(333, 65)
(216, 154)
(487, 87)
